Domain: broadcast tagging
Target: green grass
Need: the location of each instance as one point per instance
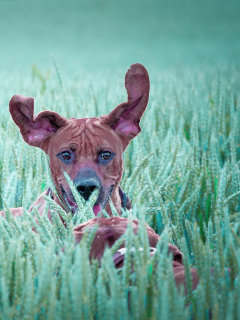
(181, 173)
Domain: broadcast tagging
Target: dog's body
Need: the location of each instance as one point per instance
(111, 229)
(89, 150)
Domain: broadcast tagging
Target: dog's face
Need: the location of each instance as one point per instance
(91, 155)
(88, 150)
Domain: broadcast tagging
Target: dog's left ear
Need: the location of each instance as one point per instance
(35, 129)
(125, 118)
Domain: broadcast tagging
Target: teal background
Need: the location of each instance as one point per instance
(87, 37)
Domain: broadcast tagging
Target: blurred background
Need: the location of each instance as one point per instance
(92, 37)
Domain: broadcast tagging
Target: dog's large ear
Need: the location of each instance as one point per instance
(125, 117)
(34, 128)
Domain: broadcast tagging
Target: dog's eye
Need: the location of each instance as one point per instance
(66, 155)
(106, 155)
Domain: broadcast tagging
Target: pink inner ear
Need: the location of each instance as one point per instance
(40, 130)
(126, 126)
(126, 123)
(37, 135)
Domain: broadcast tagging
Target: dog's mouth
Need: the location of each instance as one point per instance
(99, 205)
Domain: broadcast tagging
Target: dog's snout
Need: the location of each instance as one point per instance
(86, 187)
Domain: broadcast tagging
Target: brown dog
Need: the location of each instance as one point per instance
(89, 150)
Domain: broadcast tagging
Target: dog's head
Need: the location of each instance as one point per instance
(89, 150)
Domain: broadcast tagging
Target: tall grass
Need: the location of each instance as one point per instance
(182, 176)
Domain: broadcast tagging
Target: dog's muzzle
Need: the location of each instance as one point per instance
(86, 182)
(85, 187)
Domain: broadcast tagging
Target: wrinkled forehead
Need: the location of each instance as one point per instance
(86, 136)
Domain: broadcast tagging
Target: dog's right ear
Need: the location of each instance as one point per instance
(34, 128)
(125, 118)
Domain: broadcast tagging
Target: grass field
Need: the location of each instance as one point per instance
(181, 173)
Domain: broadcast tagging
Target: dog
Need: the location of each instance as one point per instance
(89, 150)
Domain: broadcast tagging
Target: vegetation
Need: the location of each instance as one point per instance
(182, 173)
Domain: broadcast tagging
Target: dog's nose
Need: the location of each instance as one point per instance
(86, 187)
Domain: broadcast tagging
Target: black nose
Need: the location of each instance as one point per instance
(86, 187)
